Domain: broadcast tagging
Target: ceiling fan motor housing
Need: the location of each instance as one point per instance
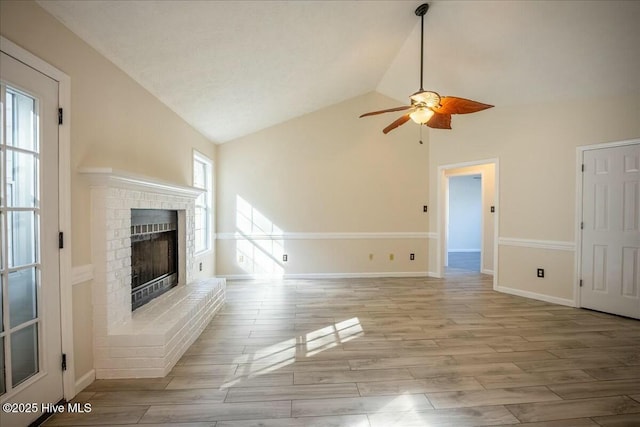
(425, 98)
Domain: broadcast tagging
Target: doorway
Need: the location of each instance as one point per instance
(482, 174)
(464, 223)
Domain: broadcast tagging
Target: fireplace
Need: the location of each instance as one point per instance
(154, 254)
(149, 341)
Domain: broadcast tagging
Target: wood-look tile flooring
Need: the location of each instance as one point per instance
(387, 352)
(469, 261)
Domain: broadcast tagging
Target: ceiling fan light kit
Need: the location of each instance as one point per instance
(428, 107)
(421, 115)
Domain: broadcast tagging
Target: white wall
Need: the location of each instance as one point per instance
(465, 214)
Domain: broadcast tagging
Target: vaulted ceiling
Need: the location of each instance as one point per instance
(230, 68)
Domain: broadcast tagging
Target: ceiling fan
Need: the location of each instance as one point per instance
(428, 107)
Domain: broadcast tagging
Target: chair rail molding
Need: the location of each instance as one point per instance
(81, 274)
(538, 244)
(326, 236)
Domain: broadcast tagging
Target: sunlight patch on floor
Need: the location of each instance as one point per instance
(276, 356)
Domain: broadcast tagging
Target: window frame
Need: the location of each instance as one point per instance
(200, 160)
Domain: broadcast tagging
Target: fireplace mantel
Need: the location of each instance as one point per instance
(110, 177)
(149, 341)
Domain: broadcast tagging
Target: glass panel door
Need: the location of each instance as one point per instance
(20, 268)
(30, 325)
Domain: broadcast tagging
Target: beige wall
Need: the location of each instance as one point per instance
(114, 123)
(328, 172)
(536, 148)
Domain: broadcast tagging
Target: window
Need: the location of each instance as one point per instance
(202, 178)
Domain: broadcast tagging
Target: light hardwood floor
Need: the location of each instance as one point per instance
(387, 352)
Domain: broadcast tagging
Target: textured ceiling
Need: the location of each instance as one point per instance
(232, 68)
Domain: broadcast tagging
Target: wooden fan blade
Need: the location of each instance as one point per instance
(400, 121)
(440, 121)
(389, 110)
(454, 105)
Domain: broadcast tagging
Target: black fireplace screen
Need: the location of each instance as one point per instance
(154, 254)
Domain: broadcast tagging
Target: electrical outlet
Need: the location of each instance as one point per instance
(541, 272)
(370, 257)
(425, 208)
(200, 266)
(285, 258)
(493, 209)
(240, 259)
(390, 257)
(412, 257)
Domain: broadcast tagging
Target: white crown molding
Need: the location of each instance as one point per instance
(108, 177)
(538, 244)
(322, 236)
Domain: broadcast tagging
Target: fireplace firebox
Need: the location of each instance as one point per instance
(154, 254)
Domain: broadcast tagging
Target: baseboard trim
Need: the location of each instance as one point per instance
(538, 244)
(85, 380)
(327, 275)
(536, 296)
(487, 271)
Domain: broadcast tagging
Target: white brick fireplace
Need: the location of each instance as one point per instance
(149, 341)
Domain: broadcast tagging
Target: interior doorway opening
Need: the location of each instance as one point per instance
(468, 218)
(464, 223)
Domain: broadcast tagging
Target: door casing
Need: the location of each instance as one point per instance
(442, 186)
(64, 179)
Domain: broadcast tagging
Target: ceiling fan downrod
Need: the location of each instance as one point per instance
(421, 11)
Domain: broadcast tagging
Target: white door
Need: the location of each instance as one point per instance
(611, 231)
(29, 263)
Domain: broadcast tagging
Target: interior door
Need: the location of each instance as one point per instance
(30, 340)
(611, 231)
